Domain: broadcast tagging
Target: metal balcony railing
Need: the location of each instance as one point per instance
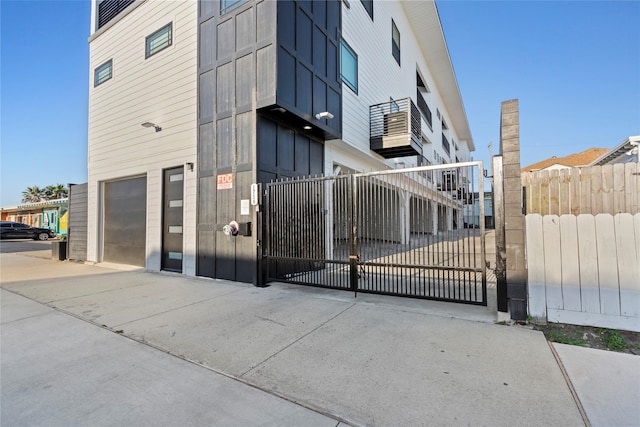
(395, 128)
(109, 9)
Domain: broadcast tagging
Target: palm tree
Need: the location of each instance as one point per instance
(57, 191)
(32, 194)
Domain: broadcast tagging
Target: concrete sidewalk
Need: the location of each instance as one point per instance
(58, 370)
(369, 360)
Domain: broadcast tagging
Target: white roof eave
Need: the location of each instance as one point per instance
(425, 21)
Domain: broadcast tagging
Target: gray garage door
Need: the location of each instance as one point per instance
(125, 212)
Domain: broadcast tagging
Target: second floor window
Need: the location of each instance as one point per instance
(159, 40)
(229, 5)
(348, 66)
(395, 42)
(368, 5)
(103, 73)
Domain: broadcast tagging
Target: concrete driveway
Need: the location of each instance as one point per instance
(369, 360)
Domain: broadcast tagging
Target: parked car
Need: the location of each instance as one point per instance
(17, 230)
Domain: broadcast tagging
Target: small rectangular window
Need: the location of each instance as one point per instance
(159, 40)
(395, 42)
(348, 66)
(368, 6)
(103, 73)
(229, 5)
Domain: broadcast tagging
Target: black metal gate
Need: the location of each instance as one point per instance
(416, 232)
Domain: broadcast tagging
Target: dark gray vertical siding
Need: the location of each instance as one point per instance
(259, 56)
(237, 75)
(77, 224)
(308, 81)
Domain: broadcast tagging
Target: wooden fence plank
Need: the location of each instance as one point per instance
(607, 265)
(631, 190)
(585, 190)
(526, 183)
(564, 178)
(535, 265)
(544, 192)
(570, 266)
(618, 189)
(628, 273)
(588, 258)
(554, 192)
(552, 261)
(596, 190)
(574, 190)
(607, 189)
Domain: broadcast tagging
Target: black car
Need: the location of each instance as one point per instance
(17, 230)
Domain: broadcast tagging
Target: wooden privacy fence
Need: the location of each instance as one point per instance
(592, 190)
(585, 269)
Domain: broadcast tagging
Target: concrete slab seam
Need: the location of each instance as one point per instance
(93, 293)
(175, 308)
(574, 394)
(23, 318)
(310, 407)
(297, 340)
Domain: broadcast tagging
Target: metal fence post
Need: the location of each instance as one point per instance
(353, 218)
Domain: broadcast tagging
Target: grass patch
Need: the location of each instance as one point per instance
(614, 341)
(565, 339)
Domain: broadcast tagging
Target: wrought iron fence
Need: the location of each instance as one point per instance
(410, 232)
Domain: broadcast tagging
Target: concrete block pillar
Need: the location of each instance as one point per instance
(516, 271)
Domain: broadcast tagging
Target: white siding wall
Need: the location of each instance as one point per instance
(161, 89)
(381, 78)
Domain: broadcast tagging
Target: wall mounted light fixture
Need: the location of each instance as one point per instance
(152, 125)
(324, 115)
(190, 166)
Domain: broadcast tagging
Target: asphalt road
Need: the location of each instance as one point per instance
(23, 245)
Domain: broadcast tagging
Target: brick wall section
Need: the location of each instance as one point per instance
(514, 219)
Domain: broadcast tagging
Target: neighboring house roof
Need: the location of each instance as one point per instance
(37, 205)
(626, 151)
(583, 158)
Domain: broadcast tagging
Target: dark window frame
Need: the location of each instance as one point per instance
(368, 6)
(150, 38)
(351, 85)
(395, 48)
(98, 82)
(227, 6)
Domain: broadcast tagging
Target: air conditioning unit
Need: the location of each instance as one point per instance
(396, 123)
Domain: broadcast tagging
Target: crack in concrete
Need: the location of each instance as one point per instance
(295, 341)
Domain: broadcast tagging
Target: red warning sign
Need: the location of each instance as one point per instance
(224, 181)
